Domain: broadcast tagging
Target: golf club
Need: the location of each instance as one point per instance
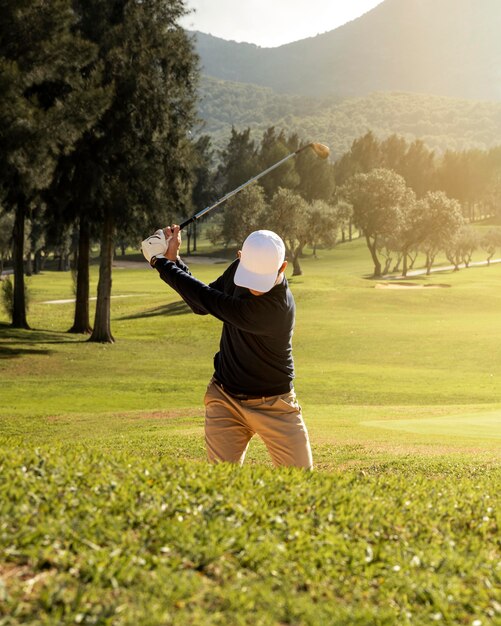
(318, 148)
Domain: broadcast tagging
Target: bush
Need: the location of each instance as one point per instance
(8, 296)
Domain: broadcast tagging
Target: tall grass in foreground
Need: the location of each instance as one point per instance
(115, 539)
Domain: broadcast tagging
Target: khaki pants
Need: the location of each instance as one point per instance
(230, 424)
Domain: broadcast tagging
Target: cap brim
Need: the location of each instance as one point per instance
(251, 280)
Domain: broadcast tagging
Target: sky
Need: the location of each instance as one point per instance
(271, 23)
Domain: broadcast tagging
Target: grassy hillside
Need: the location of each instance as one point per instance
(442, 123)
(110, 514)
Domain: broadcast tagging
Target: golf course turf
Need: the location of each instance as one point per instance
(109, 513)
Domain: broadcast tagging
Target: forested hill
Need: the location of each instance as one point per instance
(441, 122)
(442, 47)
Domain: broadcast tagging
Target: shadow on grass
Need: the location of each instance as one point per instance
(174, 308)
(16, 342)
(11, 352)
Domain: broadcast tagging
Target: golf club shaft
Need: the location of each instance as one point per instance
(230, 194)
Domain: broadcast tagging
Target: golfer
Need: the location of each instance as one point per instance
(251, 391)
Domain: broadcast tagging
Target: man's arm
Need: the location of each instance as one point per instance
(249, 314)
(196, 309)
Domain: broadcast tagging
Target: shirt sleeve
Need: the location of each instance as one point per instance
(248, 314)
(193, 306)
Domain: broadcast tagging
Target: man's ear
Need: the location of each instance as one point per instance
(282, 268)
(239, 253)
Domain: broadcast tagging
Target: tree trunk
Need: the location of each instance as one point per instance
(296, 267)
(102, 323)
(295, 254)
(19, 306)
(81, 323)
(28, 270)
(66, 261)
(404, 265)
(37, 262)
(428, 264)
(375, 260)
(194, 236)
(396, 267)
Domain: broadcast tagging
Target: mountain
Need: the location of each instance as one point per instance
(441, 122)
(441, 47)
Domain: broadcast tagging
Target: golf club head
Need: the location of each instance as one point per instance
(321, 150)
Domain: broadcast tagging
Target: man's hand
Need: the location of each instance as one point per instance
(173, 238)
(156, 245)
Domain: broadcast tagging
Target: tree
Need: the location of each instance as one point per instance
(239, 161)
(288, 217)
(70, 206)
(442, 220)
(364, 155)
(392, 153)
(274, 148)
(491, 196)
(344, 212)
(133, 168)
(390, 249)
(418, 168)
(6, 228)
(323, 225)
(243, 214)
(469, 241)
(461, 246)
(316, 177)
(464, 176)
(379, 199)
(49, 98)
(204, 184)
(412, 230)
(491, 242)
(36, 239)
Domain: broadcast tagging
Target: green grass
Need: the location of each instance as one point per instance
(109, 513)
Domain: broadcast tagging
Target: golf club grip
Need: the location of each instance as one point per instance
(186, 222)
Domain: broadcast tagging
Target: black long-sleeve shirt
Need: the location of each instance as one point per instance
(255, 351)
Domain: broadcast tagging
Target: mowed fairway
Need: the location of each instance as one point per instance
(110, 514)
(472, 425)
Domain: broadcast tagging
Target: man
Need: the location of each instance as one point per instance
(251, 391)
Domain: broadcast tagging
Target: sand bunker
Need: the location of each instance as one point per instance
(395, 285)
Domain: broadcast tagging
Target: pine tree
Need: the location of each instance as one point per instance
(239, 160)
(133, 167)
(48, 100)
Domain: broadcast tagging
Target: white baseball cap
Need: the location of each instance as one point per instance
(262, 256)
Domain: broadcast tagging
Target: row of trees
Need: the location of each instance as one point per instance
(300, 223)
(472, 177)
(397, 225)
(305, 202)
(97, 101)
(400, 196)
(405, 199)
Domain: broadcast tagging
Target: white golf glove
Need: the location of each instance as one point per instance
(156, 245)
